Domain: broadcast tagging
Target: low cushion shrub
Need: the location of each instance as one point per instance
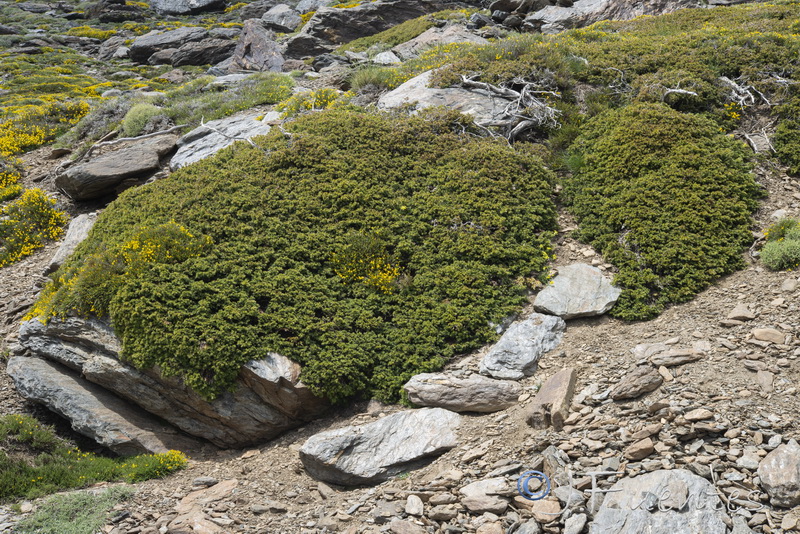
(665, 197)
(366, 247)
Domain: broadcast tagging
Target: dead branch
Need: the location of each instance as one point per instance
(739, 93)
(122, 139)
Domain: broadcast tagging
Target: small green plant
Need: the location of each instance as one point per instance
(35, 462)
(88, 31)
(782, 250)
(81, 512)
(375, 76)
(138, 116)
(325, 98)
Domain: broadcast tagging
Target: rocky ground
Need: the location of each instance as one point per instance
(720, 414)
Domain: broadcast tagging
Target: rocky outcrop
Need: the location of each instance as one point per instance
(517, 353)
(579, 290)
(452, 33)
(475, 393)
(77, 231)
(148, 44)
(102, 175)
(114, 11)
(661, 502)
(481, 105)
(93, 411)
(256, 50)
(207, 140)
(331, 27)
(185, 7)
(282, 18)
(268, 399)
(374, 452)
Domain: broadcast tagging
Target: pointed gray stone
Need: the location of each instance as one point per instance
(516, 354)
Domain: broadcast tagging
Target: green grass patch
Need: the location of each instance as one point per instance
(35, 462)
(665, 197)
(366, 247)
(83, 512)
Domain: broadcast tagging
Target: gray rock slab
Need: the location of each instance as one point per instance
(475, 393)
(256, 50)
(268, 398)
(779, 472)
(185, 7)
(579, 290)
(77, 231)
(93, 411)
(101, 175)
(517, 353)
(282, 18)
(552, 402)
(205, 52)
(374, 452)
(483, 107)
(662, 502)
(450, 34)
(148, 44)
(207, 140)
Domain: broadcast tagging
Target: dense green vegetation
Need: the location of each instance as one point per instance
(665, 197)
(34, 462)
(366, 247)
(782, 250)
(80, 512)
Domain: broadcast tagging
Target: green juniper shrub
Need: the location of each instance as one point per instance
(665, 197)
(81, 512)
(138, 116)
(366, 247)
(787, 134)
(782, 250)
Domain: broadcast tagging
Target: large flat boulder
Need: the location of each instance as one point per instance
(484, 107)
(516, 354)
(374, 452)
(206, 52)
(100, 176)
(207, 140)
(148, 44)
(579, 290)
(268, 400)
(475, 393)
(662, 502)
(93, 411)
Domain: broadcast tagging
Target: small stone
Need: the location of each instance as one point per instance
(676, 357)
(665, 374)
(574, 524)
(639, 450)
(765, 380)
(205, 482)
(789, 285)
(770, 335)
(414, 506)
(779, 472)
(698, 415)
(641, 380)
(444, 512)
(398, 526)
(741, 313)
(552, 402)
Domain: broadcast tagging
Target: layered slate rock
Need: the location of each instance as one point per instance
(100, 176)
(93, 411)
(77, 231)
(484, 108)
(552, 402)
(205, 52)
(148, 44)
(475, 393)
(579, 290)
(516, 354)
(643, 379)
(374, 452)
(185, 7)
(256, 50)
(204, 141)
(282, 18)
(331, 27)
(662, 502)
(779, 472)
(268, 398)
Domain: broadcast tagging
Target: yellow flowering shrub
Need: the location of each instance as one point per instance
(27, 223)
(93, 33)
(325, 98)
